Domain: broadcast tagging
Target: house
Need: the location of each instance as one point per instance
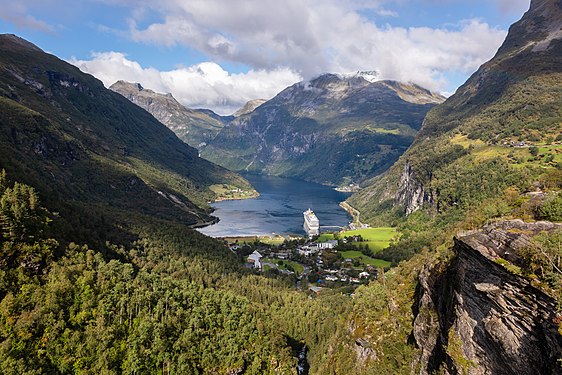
(255, 259)
(281, 255)
(328, 244)
(364, 275)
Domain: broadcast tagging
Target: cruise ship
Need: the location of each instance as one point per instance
(311, 223)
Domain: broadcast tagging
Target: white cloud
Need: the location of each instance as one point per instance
(315, 36)
(205, 85)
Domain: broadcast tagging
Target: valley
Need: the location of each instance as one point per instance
(139, 235)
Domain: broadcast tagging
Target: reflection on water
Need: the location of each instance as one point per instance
(278, 209)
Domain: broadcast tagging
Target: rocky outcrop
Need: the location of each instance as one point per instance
(411, 193)
(472, 316)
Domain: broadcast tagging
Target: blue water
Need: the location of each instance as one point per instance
(278, 209)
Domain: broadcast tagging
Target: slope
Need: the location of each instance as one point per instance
(333, 129)
(194, 126)
(74, 140)
(501, 128)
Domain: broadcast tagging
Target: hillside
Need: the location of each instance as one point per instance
(501, 129)
(334, 129)
(75, 141)
(478, 283)
(194, 126)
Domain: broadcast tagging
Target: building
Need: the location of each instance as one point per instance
(255, 259)
(328, 244)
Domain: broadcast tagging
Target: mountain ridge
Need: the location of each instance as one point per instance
(332, 129)
(194, 126)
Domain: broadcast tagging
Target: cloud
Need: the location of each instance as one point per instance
(315, 36)
(17, 13)
(205, 85)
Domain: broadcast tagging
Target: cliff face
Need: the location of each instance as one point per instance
(411, 193)
(473, 316)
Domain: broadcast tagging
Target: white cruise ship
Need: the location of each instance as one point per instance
(311, 223)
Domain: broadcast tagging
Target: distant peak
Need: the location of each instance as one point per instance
(250, 106)
(369, 76)
(17, 41)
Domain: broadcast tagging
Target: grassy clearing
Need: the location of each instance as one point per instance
(354, 254)
(278, 240)
(230, 192)
(282, 265)
(325, 237)
(482, 151)
(381, 234)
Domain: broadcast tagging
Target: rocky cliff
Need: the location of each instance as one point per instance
(196, 127)
(332, 129)
(473, 316)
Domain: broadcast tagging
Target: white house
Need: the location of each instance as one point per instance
(328, 244)
(255, 259)
(364, 275)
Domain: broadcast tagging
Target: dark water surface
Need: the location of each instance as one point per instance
(278, 209)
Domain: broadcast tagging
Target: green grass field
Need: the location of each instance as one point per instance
(376, 238)
(296, 266)
(278, 240)
(372, 234)
(325, 237)
(354, 254)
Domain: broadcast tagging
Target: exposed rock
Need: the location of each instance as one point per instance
(411, 193)
(473, 316)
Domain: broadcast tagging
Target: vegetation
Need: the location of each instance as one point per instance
(364, 259)
(325, 138)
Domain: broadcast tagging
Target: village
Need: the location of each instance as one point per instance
(344, 259)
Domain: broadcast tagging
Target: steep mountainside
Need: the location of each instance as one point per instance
(74, 140)
(194, 126)
(331, 129)
(480, 140)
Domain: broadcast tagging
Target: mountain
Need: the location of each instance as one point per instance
(194, 126)
(75, 141)
(476, 198)
(332, 129)
(501, 128)
(249, 107)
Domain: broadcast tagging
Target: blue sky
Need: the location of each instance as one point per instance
(220, 53)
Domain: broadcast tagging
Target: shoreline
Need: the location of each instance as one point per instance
(355, 214)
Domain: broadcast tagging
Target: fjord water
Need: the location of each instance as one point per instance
(278, 209)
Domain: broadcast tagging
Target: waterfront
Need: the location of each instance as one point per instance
(279, 208)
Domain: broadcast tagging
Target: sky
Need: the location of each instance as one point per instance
(218, 54)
